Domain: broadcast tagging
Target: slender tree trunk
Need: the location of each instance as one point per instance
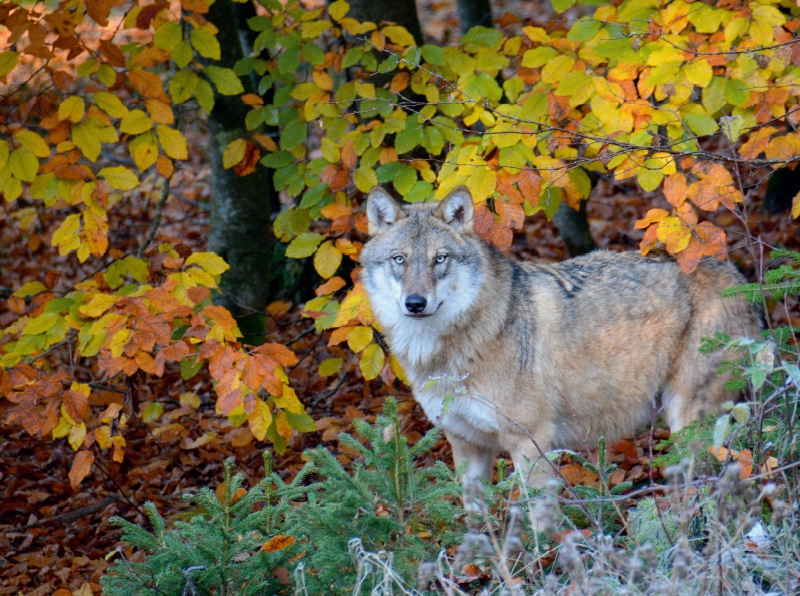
(241, 208)
(474, 12)
(574, 229)
(402, 12)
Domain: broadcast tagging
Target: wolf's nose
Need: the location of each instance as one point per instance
(415, 303)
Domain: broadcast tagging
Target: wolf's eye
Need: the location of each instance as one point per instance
(441, 259)
(399, 259)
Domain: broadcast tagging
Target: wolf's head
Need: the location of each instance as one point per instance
(423, 263)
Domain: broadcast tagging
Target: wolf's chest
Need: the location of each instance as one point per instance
(470, 416)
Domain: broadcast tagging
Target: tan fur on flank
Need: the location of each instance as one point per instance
(548, 356)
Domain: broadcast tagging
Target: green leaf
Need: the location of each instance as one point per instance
(293, 134)
(190, 367)
(225, 80)
(304, 245)
(714, 95)
(8, 61)
(182, 85)
(205, 43)
(584, 29)
(722, 430)
(330, 366)
(23, 164)
(30, 289)
(484, 37)
(561, 5)
(205, 95)
(182, 54)
(433, 54)
(701, 124)
(168, 35)
(737, 92)
(538, 56)
(279, 159)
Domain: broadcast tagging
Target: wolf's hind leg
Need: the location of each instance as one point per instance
(695, 391)
(532, 464)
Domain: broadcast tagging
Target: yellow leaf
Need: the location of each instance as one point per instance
(372, 361)
(81, 466)
(348, 310)
(135, 122)
(796, 206)
(359, 338)
(41, 324)
(144, 150)
(189, 400)
(99, 304)
(119, 177)
(366, 179)
(33, 142)
(172, 141)
(338, 9)
(674, 234)
(399, 35)
(211, 262)
(153, 410)
(66, 236)
(260, 419)
(650, 175)
(76, 436)
(327, 259)
(698, 72)
(110, 104)
(72, 109)
(398, 369)
(234, 153)
(330, 151)
(117, 343)
(103, 436)
(288, 401)
(482, 183)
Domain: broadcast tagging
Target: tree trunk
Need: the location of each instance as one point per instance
(474, 12)
(402, 12)
(574, 229)
(241, 208)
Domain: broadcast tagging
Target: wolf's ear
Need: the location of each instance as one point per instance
(457, 209)
(382, 211)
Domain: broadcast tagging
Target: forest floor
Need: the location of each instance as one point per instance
(53, 539)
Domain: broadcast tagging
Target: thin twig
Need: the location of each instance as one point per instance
(156, 218)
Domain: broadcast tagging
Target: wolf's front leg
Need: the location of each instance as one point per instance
(480, 464)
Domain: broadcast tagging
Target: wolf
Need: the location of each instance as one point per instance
(526, 358)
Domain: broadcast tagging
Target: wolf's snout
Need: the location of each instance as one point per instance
(415, 304)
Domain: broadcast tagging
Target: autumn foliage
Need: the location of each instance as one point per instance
(690, 100)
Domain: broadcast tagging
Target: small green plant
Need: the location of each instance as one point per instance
(387, 500)
(601, 513)
(219, 550)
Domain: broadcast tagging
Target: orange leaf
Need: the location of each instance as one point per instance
(251, 99)
(148, 84)
(689, 258)
(334, 284)
(653, 216)
(277, 543)
(577, 474)
(81, 466)
(675, 189)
